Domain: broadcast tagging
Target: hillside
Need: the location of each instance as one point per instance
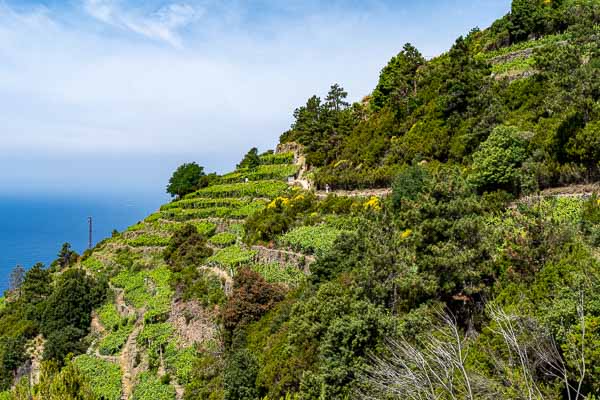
(438, 240)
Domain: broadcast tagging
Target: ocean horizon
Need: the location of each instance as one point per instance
(34, 227)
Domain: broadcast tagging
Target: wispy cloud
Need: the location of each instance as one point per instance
(162, 24)
(97, 82)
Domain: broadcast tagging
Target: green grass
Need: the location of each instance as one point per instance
(150, 387)
(232, 257)
(223, 239)
(104, 377)
(317, 239)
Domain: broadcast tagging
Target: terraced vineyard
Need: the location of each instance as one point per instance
(137, 341)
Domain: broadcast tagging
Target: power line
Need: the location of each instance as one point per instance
(90, 241)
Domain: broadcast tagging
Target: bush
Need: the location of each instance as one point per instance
(496, 164)
(186, 247)
(252, 297)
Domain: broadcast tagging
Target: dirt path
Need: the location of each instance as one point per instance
(127, 361)
(227, 279)
(381, 192)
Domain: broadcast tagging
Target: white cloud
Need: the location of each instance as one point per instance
(160, 25)
(70, 89)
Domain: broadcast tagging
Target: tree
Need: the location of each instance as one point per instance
(251, 160)
(585, 146)
(36, 286)
(66, 257)
(17, 276)
(397, 80)
(496, 164)
(186, 179)
(335, 100)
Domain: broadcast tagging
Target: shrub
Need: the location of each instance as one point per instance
(252, 297)
(186, 247)
(496, 164)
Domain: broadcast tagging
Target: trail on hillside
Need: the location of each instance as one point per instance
(127, 360)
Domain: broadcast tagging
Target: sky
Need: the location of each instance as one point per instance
(107, 96)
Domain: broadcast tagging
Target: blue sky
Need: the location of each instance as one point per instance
(102, 96)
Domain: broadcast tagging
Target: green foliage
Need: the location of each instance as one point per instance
(115, 340)
(585, 146)
(322, 126)
(206, 382)
(397, 80)
(186, 179)
(197, 203)
(104, 377)
(180, 362)
(148, 289)
(155, 338)
(93, 264)
(147, 240)
(496, 164)
(262, 172)
(409, 184)
(223, 239)
(240, 376)
(289, 275)
(251, 160)
(150, 387)
(67, 314)
(186, 247)
(200, 285)
(276, 158)
(317, 239)
(66, 384)
(232, 257)
(267, 189)
(109, 316)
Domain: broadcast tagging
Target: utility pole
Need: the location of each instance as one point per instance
(90, 242)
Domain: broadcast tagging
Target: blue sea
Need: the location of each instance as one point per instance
(33, 228)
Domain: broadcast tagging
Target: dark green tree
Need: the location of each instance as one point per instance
(251, 160)
(496, 164)
(336, 98)
(398, 80)
(66, 257)
(186, 179)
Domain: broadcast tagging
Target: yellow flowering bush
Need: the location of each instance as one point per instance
(373, 204)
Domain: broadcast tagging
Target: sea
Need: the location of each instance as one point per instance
(34, 227)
